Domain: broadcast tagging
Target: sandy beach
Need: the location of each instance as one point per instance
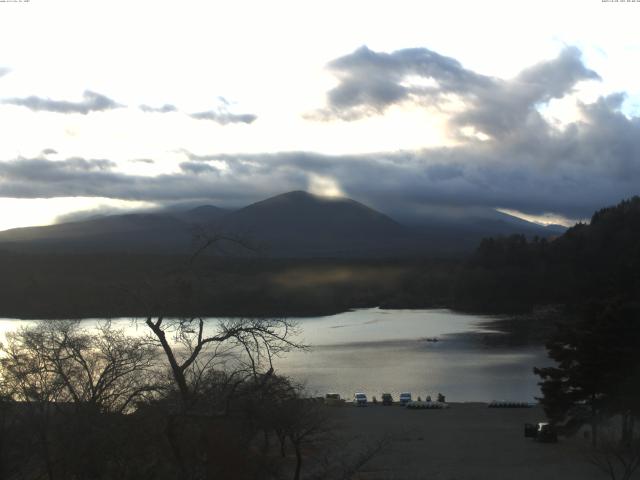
(464, 442)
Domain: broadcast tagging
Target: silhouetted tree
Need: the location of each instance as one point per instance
(62, 362)
(190, 350)
(597, 371)
(64, 383)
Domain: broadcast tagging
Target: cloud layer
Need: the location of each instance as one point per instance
(592, 163)
(91, 102)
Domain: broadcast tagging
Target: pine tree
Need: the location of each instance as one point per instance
(597, 369)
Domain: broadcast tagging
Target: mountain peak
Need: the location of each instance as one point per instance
(304, 195)
(296, 193)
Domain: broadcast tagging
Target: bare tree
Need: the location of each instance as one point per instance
(212, 362)
(59, 361)
(190, 350)
(64, 382)
(205, 239)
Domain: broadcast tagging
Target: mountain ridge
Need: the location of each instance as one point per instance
(291, 224)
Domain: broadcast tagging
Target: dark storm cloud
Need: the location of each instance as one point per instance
(370, 82)
(49, 151)
(166, 108)
(91, 102)
(223, 117)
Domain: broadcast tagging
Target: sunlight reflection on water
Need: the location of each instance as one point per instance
(375, 351)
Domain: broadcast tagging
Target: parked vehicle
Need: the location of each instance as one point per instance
(541, 432)
(387, 399)
(405, 397)
(360, 400)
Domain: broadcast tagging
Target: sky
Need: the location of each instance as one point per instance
(531, 108)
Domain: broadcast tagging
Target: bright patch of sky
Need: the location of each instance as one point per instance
(42, 211)
(545, 218)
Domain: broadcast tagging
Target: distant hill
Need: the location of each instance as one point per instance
(294, 224)
(130, 233)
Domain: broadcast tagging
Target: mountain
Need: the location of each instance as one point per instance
(301, 224)
(294, 224)
(130, 233)
(203, 215)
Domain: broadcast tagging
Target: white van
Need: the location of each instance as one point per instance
(360, 400)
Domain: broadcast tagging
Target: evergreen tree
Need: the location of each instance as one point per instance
(597, 369)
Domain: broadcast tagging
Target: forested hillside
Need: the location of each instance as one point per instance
(589, 261)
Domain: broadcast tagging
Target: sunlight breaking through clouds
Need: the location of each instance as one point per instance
(545, 218)
(324, 186)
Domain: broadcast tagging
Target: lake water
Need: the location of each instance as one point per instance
(375, 351)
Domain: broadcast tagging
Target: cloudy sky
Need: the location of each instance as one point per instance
(408, 106)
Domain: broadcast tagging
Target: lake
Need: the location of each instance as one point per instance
(376, 350)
